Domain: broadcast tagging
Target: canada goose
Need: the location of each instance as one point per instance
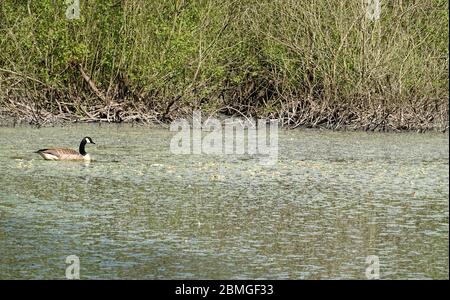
(67, 154)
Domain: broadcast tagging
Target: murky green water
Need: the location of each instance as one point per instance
(140, 212)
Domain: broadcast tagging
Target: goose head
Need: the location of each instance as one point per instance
(87, 140)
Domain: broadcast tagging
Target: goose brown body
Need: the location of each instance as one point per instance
(67, 154)
(62, 154)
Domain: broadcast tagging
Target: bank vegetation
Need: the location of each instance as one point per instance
(309, 63)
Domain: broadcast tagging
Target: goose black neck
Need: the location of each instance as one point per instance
(82, 150)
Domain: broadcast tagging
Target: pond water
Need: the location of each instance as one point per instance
(140, 212)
